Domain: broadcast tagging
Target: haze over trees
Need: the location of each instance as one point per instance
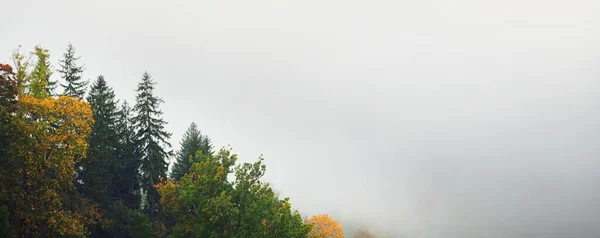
(95, 166)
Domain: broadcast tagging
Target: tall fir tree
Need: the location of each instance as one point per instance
(192, 142)
(71, 72)
(152, 140)
(98, 169)
(40, 85)
(127, 184)
(122, 215)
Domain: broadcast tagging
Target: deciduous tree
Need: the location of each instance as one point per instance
(363, 233)
(21, 63)
(50, 137)
(40, 85)
(204, 203)
(8, 89)
(323, 226)
(8, 101)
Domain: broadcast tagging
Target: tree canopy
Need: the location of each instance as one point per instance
(95, 167)
(323, 226)
(204, 203)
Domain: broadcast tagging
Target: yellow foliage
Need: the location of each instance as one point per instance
(51, 137)
(168, 192)
(323, 226)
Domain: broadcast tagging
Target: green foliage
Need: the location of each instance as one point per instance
(73, 169)
(192, 142)
(123, 221)
(21, 64)
(71, 73)
(126, 182)
(204, 203)
(152, 142)
(40, 85)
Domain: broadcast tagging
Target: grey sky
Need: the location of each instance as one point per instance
(425, 118)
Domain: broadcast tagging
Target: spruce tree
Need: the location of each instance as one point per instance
(40, 85)
(152, 140)
(123, 210)
(192, 142)
(98, 168)
(126, 183)
(71, 73)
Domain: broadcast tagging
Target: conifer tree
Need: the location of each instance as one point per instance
(152, 141)
(98, 168)
(126, 183)
(40, 85)
(71, 73)
(192, 142)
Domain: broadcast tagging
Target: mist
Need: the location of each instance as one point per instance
(414, 118)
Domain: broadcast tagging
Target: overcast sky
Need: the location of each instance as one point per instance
(424, 118)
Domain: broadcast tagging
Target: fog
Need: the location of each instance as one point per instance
(417, 118)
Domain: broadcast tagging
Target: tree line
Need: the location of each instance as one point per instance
(82, 163)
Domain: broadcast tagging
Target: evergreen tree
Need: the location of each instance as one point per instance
(40, 85)
(152, 140)
(99, 166)
(71, 73)
(192, 142)
(126, 184)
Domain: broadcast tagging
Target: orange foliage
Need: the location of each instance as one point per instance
(323, 226)
(168, 192)
(51, 137)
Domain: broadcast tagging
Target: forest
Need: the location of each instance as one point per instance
(78, 162)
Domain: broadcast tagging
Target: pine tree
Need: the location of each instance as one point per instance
(99, 166)
(126, 183)
(152, 140)
(71, 73)
(40, 85)
(192, 142)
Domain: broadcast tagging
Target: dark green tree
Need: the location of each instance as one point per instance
(126, 184)
(192, 142)
(152, 141)
(71, 73)
(125, 222)
(123, 214)
(98, 169)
